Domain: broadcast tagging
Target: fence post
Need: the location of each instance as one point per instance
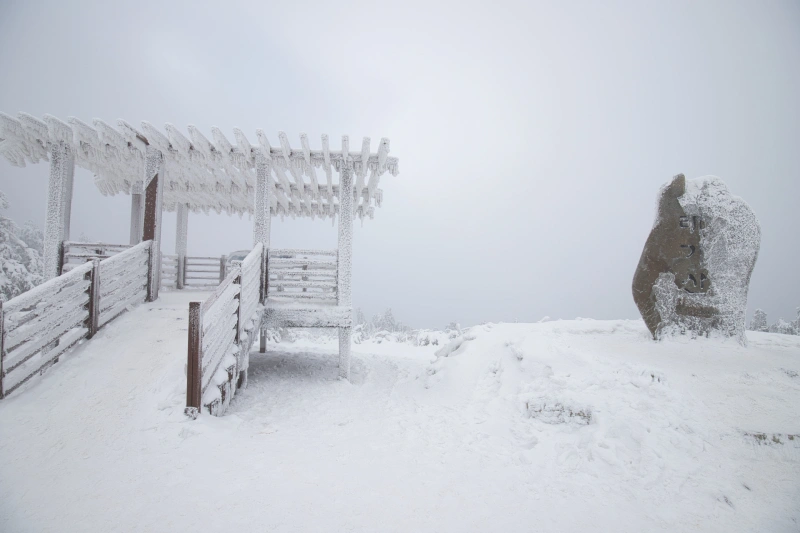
(2, 348)
(263, 267)
(185, 263)
(194, 377)
(152, 294)
(238, 281)
(262, 332)
(179, 265)
(222, 268)
(94, 299)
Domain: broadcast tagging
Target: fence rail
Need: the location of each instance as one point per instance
(37, 327)
(222, 328)
(77, 253)
(310, 275)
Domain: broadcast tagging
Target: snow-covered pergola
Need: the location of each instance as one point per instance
(172, 171)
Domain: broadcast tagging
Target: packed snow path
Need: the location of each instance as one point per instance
(561, 426)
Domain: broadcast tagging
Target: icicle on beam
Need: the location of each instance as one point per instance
(59, 197)
(181, 239)
(345, 260)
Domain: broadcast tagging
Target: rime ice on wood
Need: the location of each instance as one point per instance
(695, 269)
(177, 172)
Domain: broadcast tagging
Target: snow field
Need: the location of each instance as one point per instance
(559, 426)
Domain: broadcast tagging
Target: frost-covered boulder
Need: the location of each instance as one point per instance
(695, 268)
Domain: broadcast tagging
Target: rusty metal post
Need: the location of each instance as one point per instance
(194, 377)
(94, 299)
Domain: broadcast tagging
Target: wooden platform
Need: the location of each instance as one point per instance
(295, 314)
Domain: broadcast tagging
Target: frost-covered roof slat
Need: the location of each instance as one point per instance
(204, 175)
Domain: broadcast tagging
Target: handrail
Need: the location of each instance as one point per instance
(210, 342)
(40, 325)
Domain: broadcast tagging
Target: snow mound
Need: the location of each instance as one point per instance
(600, 402)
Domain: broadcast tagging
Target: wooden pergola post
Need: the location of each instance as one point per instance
(59, 206)
(345, 259)
(153, 193)
(181, 239)
(262, 221)
(137, 213)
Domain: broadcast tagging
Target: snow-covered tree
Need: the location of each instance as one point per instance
(782, 326)
(20, 255)
(759, 321)
(796, 323)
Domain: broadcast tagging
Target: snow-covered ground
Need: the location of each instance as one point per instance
(559, 426)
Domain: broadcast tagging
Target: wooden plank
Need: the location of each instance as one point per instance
(285, 274)
(220, 289)
(121, 284)
(46, 316)
(215, 279)
(222, 309)
(286, 251)
(213, 363)
(217, 349)
(28, 349)
(124, 294)
(33, 296)
(330, 317)
(304, 295)
(65, 343)
(294, 263)
(107, 316)
(118, 269)
(94, 245)
(311, 284)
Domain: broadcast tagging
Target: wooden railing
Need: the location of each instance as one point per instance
(192, 272)
(77, 253)
(37, 327)
(309, 275)
(221, 331)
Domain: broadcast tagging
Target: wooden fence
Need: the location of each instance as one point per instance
(37, 327)
(221, 331)
(309, 275)
(192, 272)
(77, 253)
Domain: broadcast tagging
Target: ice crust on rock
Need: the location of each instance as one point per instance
(725, 237)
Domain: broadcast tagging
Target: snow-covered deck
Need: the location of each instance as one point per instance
(480, 440)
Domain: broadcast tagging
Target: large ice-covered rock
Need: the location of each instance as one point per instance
(695, 268)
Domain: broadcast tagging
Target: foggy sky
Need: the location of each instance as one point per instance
(532, 137)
